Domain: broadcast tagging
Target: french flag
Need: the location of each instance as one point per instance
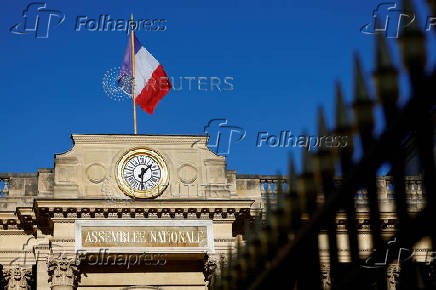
(151, 81)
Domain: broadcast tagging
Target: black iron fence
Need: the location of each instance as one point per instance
(283, 246)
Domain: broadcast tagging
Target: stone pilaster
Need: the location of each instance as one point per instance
(63, 273)
(17, 277)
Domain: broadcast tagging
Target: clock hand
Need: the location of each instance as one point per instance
(141, 175)
(148, 167)
(142, 182)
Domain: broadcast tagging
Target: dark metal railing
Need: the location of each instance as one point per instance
(283, 247)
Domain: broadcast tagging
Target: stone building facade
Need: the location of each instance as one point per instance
(88, 224)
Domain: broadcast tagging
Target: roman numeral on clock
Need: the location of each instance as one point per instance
(130, 180)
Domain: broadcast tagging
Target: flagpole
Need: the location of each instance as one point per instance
(133, 73)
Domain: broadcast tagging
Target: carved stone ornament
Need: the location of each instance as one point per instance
(393, 273)
(63, 271)
(325, 276)
(17, 277)
(210, 266)
(187, 173)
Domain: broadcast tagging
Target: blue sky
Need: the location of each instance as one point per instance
(283, 56)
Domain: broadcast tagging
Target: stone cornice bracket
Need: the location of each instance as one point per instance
(17, 277)
(27, 218)
(63, 271)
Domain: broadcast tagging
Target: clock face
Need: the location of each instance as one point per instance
(142, 173)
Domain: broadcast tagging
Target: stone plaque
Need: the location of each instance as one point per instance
(144, 236)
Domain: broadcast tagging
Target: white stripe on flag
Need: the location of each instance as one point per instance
(145, 65)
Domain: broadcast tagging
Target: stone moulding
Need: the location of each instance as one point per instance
(144, 139)
(26, 220)
(161, 209)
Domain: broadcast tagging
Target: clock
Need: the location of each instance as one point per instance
(142, 173)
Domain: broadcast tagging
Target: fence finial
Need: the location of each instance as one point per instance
(362, 104)
(322, 127)
(323, 133)
(382, 53)
(385, 75)
(412, 40)
(360, 87)
(342, 118)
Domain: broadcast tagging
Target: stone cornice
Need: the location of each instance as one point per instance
(7, 214)
(171, 203)
(9, 221)
(139, 139)
(25, 214)
(69, 209)
(25, 220)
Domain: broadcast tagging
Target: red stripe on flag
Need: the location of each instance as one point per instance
(157, 87)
